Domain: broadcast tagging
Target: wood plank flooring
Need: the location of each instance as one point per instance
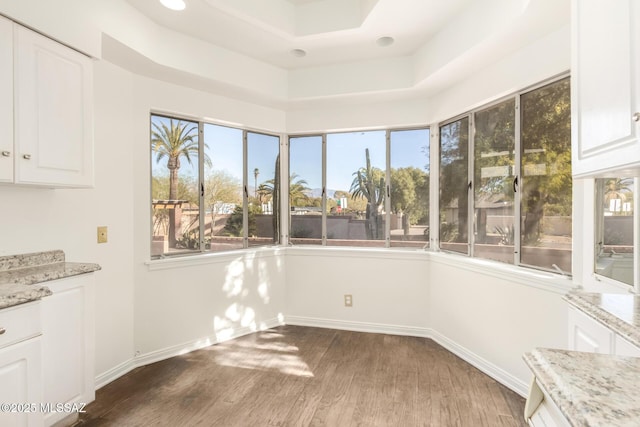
(300, 376)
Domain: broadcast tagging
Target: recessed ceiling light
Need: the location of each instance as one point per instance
(174, 4)
(298, 53)
(385, 41)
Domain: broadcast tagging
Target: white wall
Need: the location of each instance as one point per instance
(186, 306)
(390, 289)
(491, 316)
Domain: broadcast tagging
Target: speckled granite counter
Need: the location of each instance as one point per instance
(589, 389)
(20, 275)
(618, 312)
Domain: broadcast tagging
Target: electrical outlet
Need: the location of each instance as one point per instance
(102, 234)
(348, 300)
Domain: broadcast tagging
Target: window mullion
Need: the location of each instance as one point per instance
(201, 201)
(387, 189)
(517, 185)
(471, 222)
(245, 193)
(434, 187)
(324, 190)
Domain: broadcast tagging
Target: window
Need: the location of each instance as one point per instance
(371, 189)
(454, 186)
(615, 220)
(174, 185)
(223, 184)
(494, 169)
(546, 185)
(409, 195)
(305, 190)
(505, 181)
(205, 190)
(263, 164)
(356, 187)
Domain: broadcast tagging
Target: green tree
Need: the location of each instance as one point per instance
(546, 181)
(354, 204)
(234, 226)
(173, 142)
(410, 195)
(368, 182)
(298, 191)
(454, 165)
(221, 188)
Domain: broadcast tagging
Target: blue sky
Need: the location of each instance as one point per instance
(345, 154)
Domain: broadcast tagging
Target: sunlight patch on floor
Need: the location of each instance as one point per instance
(267, 352)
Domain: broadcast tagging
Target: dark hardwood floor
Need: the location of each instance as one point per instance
(300, 376)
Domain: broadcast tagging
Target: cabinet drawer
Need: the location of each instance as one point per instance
(19, 323)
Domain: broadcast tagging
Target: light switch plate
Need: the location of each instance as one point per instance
(102, 234)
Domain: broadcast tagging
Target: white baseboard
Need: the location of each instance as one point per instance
(378, 328)
(494, 371)
(176, 350)
(115, 373)
(483, 365)
(470, 357)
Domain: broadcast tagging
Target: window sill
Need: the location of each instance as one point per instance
(212, 258)
(357, 252)
(529, 277)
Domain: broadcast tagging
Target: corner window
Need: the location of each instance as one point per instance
(204, 194)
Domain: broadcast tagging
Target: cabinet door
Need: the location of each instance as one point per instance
(605, 93)
(53, 113)
(20, 382)
(625, 348)
(6, 100)
(67, 342)
(586, 334)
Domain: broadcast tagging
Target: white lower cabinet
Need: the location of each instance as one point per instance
(540, 411)
(586, 334)
(68, 345)
(20, 366)
(625, 348)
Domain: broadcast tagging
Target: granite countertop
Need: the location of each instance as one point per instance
(21, 275)
(590, 389)
(618, 312)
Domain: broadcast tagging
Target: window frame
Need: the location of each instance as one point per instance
(201, 184)
(471, 222)
(387, 199)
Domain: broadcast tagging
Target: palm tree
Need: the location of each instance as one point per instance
(369, 183)
(173, 142)
(617, 188)
(298, 190)
(256, 172)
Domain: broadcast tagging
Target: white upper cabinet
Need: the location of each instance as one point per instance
(605, 87)
(6, 100)
(46, 111)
